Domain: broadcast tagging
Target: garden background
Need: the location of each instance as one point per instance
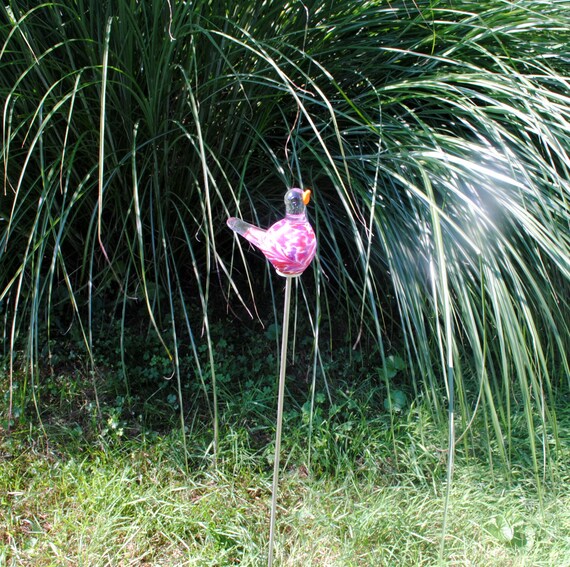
(426, 417)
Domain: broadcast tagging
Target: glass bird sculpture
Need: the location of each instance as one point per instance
(290, 243)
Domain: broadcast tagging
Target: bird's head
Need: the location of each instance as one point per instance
(296, 200)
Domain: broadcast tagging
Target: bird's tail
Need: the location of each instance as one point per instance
(250, 232)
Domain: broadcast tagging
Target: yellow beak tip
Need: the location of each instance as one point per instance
(306, 196)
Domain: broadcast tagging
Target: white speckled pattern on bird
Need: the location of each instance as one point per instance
(289, 244)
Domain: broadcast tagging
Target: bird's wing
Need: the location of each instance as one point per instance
(250, 232)
(292, 247)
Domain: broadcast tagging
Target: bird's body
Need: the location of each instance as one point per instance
(290, 243)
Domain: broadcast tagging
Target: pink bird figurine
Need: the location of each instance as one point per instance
(290, 243)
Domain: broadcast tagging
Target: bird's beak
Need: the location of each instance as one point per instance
(306, 196)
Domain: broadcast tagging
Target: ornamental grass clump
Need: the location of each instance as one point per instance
(435, 137)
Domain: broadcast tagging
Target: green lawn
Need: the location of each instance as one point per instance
(131, 502)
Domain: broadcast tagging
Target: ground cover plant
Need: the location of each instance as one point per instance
(435, 138)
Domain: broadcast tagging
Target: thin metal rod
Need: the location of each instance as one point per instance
(280, 397)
